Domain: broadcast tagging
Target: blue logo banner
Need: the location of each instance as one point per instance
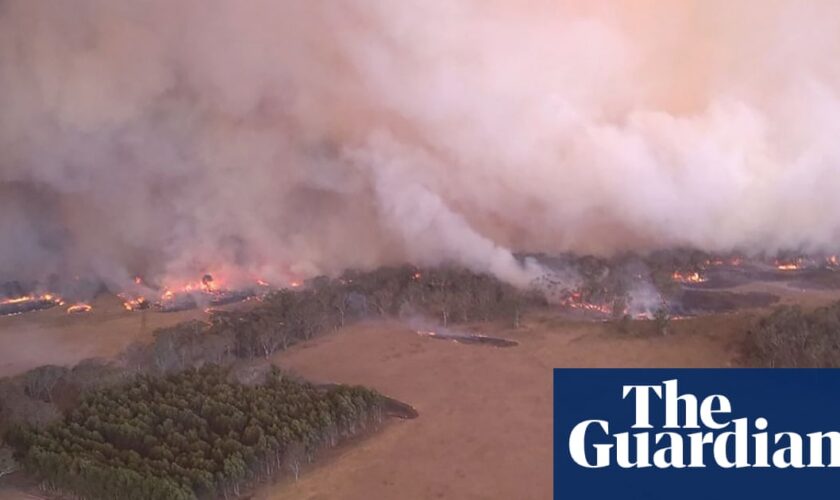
(696, 434)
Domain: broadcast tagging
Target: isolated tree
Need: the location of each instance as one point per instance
(270, 340)
(164, 352)
(7, 462)
(662, 321)
(625, 324)
(619, 306)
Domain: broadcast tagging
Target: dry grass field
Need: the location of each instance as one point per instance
(484, 430)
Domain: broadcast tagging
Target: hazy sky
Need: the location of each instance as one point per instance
(279, 138)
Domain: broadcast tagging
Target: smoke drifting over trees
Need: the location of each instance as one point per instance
(294, 138)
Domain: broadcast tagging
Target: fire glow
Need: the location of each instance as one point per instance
(688, 277)
(166, 296)
(206, 285)
(79, 308)
(576, 301)
(27, 303)
(789, 266)
(133, 304)
(204, 293)
(47, 297)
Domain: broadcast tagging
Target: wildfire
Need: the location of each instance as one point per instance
(206, 291)
(294, 284)
(206, 285)
(417, 276)
(31, 302)
(833, 261)
(79, 308)
(686, 277)
(18, 300)
(575, 301)
(47, 297)
(789, 265)
(133, 304)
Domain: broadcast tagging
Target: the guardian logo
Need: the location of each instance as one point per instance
(709, 429)
(693, 434)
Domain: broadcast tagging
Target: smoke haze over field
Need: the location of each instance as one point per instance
(282, 138)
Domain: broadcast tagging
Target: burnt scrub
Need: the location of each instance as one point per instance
(468, 339)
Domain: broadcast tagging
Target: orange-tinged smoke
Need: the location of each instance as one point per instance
(288, 139)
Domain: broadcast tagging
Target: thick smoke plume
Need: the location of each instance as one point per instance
(280, 138)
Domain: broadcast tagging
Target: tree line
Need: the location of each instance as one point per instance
(286, 317)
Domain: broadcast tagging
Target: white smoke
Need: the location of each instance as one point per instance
(292, 138)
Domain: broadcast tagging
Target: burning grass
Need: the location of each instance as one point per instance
(576, 301)
(587, 286)
(79, 308)
(204, 293)
(794, 265)
(688, 277)
(29, 303)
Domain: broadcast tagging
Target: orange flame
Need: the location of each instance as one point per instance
(789, 265)
(79, 308)
(686, 277)
(19, 300)
(133, 304)
(575, 301)
(49, 297)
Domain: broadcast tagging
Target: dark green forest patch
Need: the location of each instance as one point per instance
(194, 434)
